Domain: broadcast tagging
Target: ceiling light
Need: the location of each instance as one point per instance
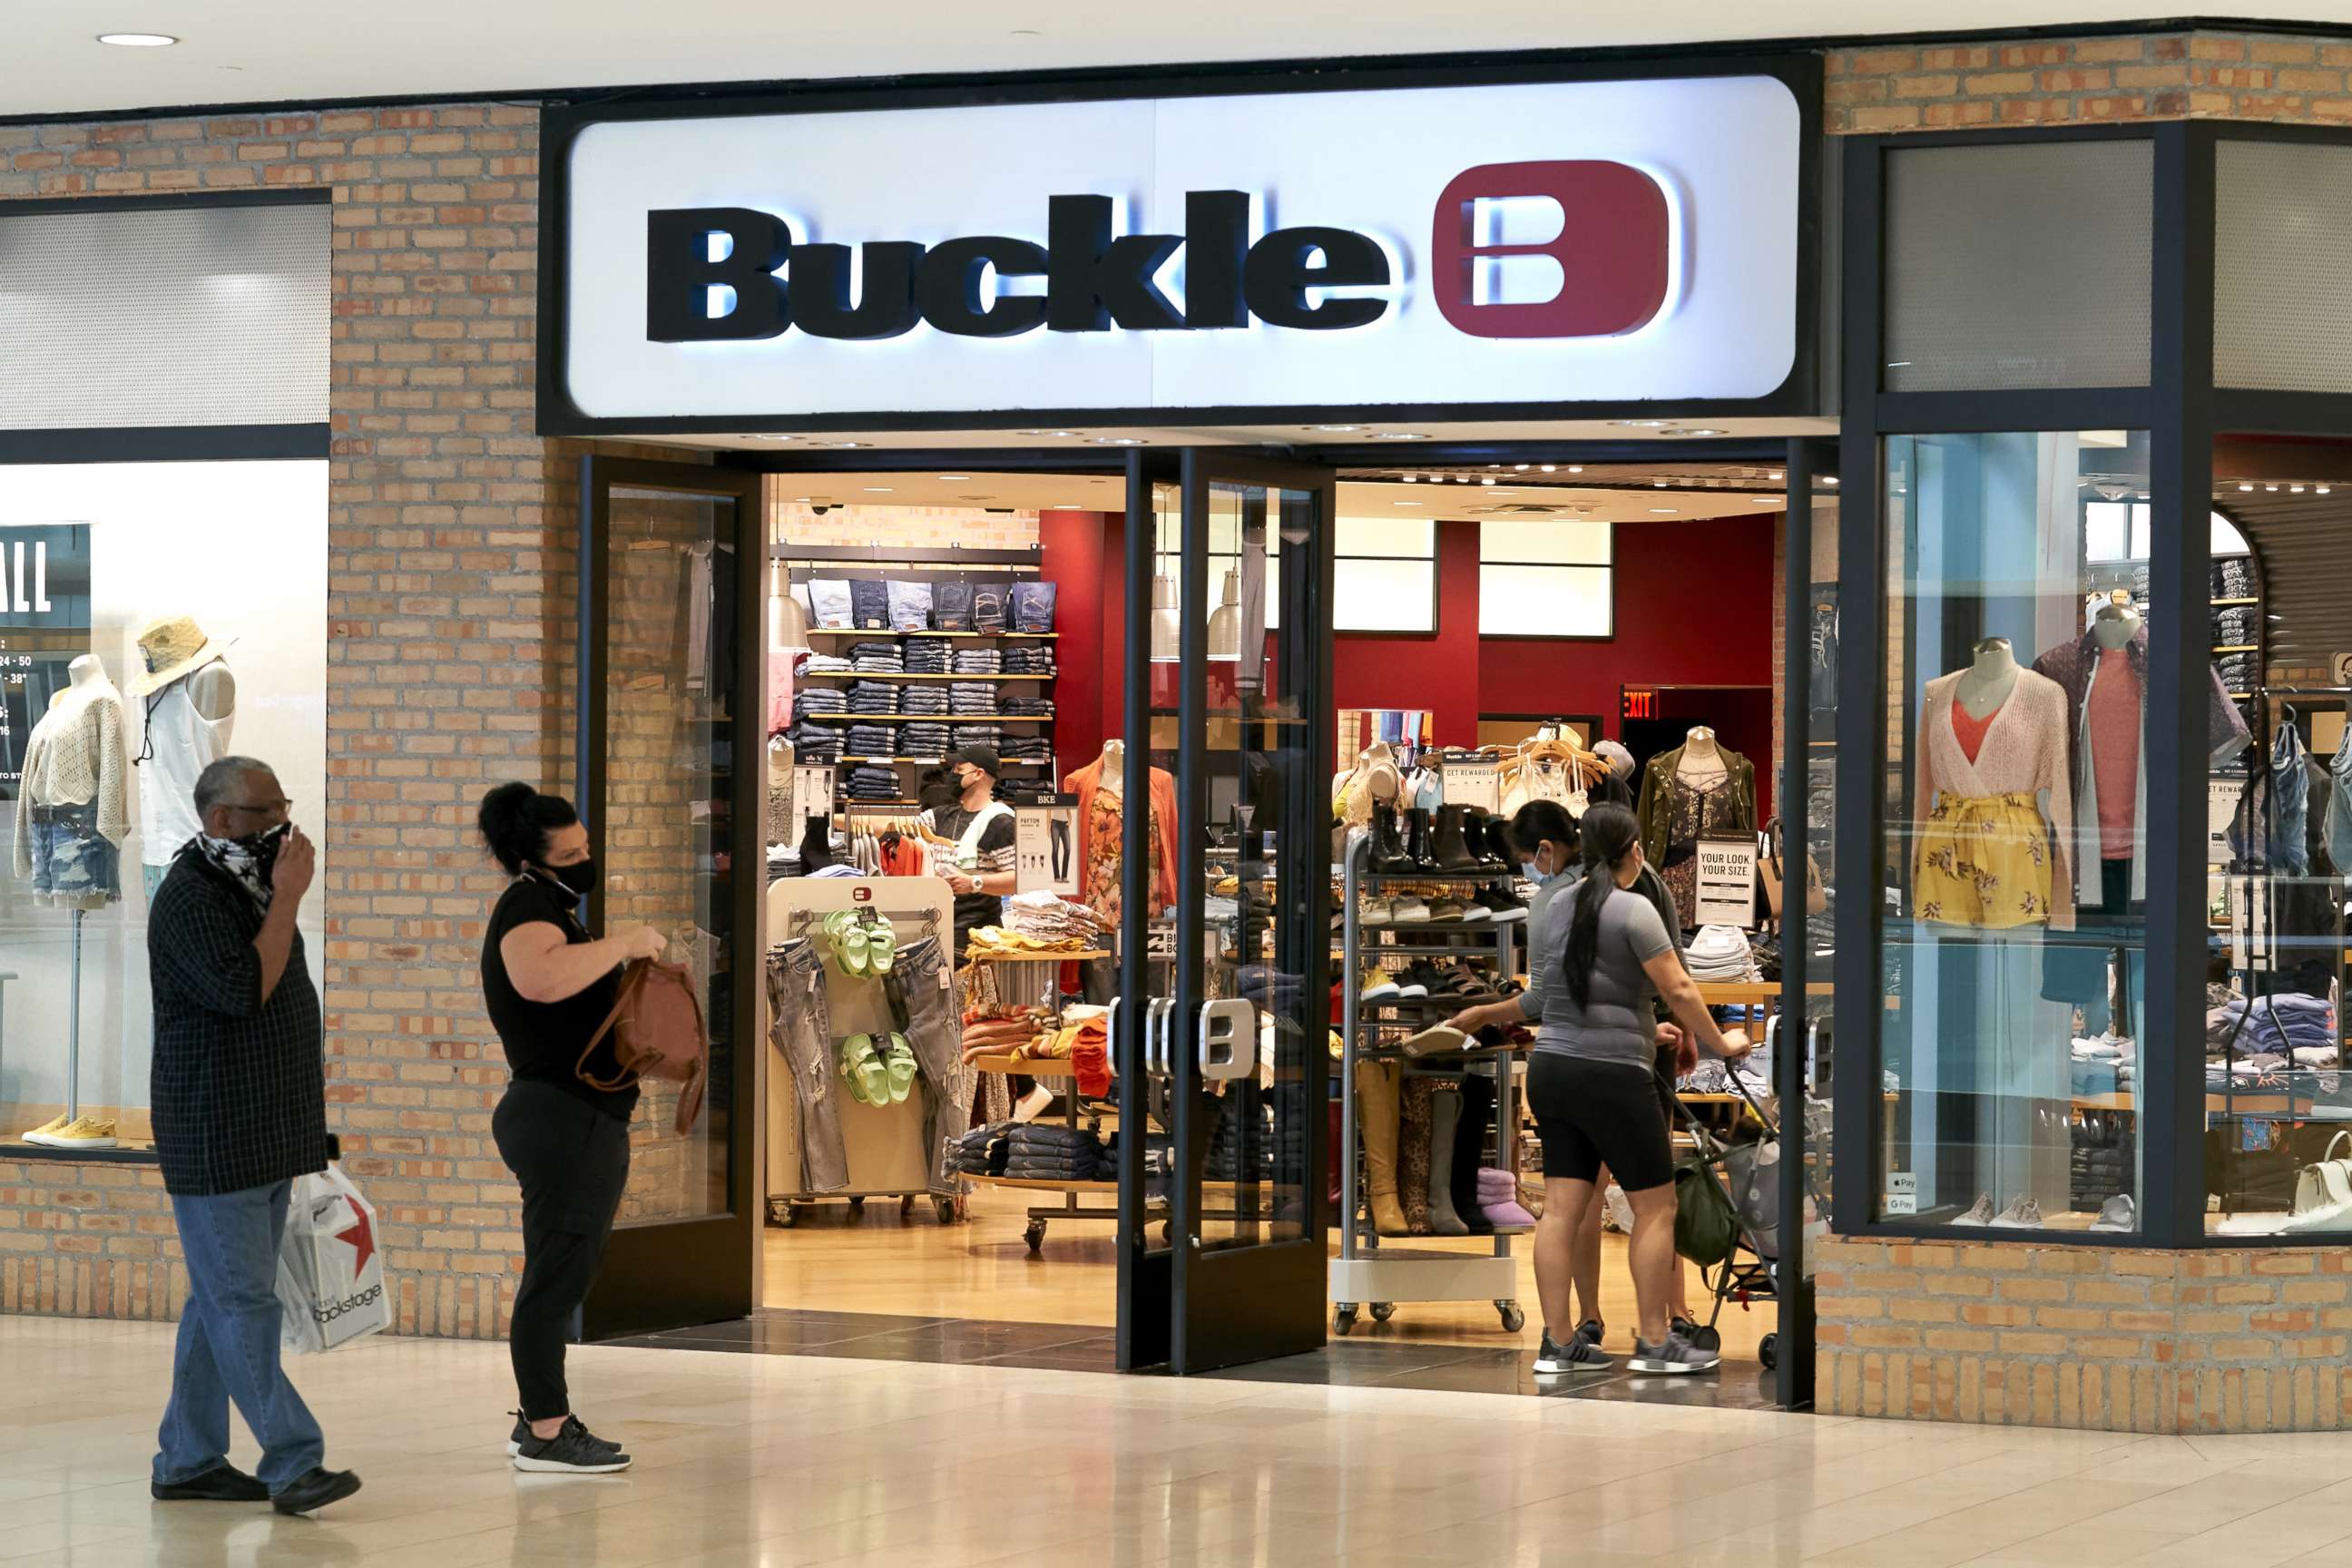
(1698, 432)
(1070, 506)
(1830, 479)
(1777, 475)
(2272, 488)
(2324, 489)
(1663, 510)
(764, 437)
(1413, 479)
(1486, 481)
(2295, 490)
(1116, 441)
(1338, 430)
(1046, 432)
(2243, 489)
(1657, 484)
(1519, 467)
(138, 40)
(877, 490)
(846, 445)
(1494, 464)
(1549, 467)
(1766, 500)
(1397, 435)
(1644, 423)
(1576, 468)
(952, 478)
(1404, 503)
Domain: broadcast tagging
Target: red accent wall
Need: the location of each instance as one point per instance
(1084, 554)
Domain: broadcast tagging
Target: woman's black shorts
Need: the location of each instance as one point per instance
(1591, 1114)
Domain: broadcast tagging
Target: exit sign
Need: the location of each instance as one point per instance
(1639, 701)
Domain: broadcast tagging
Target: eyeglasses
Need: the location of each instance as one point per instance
(264, 809)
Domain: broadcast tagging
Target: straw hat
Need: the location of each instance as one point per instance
(173, 648)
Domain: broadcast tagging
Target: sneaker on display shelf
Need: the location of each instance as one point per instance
(1408, 911)
(81, 1132)
(2023, 1213)
(1379, 985)
(1580, 1354)
(1980, 1212)
(1676, 1356)
(2118, 1213)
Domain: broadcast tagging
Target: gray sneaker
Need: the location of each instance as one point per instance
(2023, 1213)
(2118, 1213)
(1580, 1354)
(1676, 1355)
(1981, 1214)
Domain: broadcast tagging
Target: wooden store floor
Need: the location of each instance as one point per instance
(982, 1270)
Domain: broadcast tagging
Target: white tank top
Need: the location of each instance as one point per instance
(180, 744)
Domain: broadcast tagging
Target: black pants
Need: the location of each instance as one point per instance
(572, 1160)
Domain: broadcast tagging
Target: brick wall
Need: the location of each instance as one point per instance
(451, 571)
(2163, 76)
(2108, 1339)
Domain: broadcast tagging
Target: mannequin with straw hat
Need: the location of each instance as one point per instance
(190, 702)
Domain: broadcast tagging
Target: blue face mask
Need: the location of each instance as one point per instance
(1529, 870)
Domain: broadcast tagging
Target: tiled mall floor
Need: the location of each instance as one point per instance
(782, 1460)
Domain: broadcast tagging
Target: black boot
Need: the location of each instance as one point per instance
(1449, 846)
(1477, 836)
(1417, 833)
(1498, 841)
(816, 844)
(1388, 853)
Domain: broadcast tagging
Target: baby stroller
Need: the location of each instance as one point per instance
(1727, 1212)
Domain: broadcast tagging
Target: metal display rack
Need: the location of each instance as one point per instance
(1365, 1273)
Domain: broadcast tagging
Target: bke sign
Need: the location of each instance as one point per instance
(1528, 244)
(724, 273)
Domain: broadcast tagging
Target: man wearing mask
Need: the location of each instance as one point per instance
(981, 826)
(240, 1097)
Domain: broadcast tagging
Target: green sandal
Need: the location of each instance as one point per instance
(899, 1062)
(881, 947)
(873, 1073)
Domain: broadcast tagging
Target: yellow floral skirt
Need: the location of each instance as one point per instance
(1984, 861)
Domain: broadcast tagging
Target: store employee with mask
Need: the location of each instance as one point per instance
(981, 827)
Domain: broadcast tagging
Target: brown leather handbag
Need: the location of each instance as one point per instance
(658, 1032)
(1774, 876)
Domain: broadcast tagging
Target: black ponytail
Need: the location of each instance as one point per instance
(1610, 832)
(515, 821)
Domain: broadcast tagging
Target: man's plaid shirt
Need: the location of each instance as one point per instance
(239, 1087)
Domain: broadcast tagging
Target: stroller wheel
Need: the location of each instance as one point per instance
(1768, 1351)
(1707, 1338)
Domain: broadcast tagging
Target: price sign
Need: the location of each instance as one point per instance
(1477, 784)
(1639, 701)
(1727, 882)
(2221, 805)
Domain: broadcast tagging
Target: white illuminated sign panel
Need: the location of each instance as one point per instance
(1532, 244)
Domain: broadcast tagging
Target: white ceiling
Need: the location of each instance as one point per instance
(268, 51)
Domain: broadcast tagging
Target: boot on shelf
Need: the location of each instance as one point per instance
(1445, 1118)
(1413, 1122)
(1376, 1122)
(1388, 853)
(1449, 846)
(1488, 841)
(1470, 1149)
(1417, 831)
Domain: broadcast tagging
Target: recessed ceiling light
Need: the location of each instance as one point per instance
(1336, 429)
(1494, 464)
(1486, 481)
(138, 40)
(1663, 510)
(1766, 500)
(768, 438)
(800, 500)
(953, 478)
(2324, 489)
(1070, 506)
(1046, 432)
(877, 490)
(1413, 479)
(846, 445)
(1397, 436)
(2270, 488)
(1644, 423)
(1551, 468)
(1830, 479)
(1576, 468)
(2295, 490)
(1777, 475)
(1657, 484)
(1518, 468)
(1404, 503)
(1699, 432)
(2244, 489)
(1117, 441)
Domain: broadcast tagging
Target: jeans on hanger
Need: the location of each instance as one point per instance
(2339, 805)
(2290, 846)
(922, 980)
(801, 1029)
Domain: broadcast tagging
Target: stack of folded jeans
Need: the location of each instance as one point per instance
(2239, 671)
(1025, 707)
(824, 699)
(869, 603)
(871, 740)
(931, 701)
(972, 699)
(873, 696)
(877, 658)
(979, 661)
(869, 781)
(2235, 626)
(825, 664)
(1028, 660)
(923, 740)
(2283, 1024)
(2233, 577)
(1036, 1153)
(1720, 952)
(816, 745)
(964, 735)
(927, 655)
(1025, 749)
(972, 1153)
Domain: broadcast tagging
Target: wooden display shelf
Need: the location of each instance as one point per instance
(1083, 952)
(1055, 1068)
(2223, 602)
(2238, 647)
(1736, 993)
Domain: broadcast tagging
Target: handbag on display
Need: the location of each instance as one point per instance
(1774, 878)
(658, 1032)
(2323, 1189)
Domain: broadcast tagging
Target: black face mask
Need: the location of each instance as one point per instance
(264, 847)
(579, 877)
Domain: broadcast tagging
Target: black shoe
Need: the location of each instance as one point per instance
(521, 1434)
(1501, 903)
(308, 1494)
(1417, 828)
(575, 1451)
(223, 1483)
(1389, 854)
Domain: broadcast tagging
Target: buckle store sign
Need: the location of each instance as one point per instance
(1542, 243)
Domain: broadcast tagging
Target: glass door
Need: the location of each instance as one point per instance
(669, 700)
(1231, 1039)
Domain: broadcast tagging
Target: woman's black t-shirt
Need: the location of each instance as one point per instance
(543, 1039)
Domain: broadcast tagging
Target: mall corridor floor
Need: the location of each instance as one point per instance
(778, 1461)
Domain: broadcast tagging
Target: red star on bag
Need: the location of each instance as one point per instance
(362, 1236)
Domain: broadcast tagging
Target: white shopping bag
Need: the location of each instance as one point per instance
(331, 1288)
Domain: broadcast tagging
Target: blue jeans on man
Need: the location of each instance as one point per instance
(227, 1350)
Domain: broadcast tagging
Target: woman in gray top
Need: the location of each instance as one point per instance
(1596, 954)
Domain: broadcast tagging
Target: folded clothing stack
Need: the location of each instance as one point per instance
(825, 664)
(1013, 707)
(1720, 952)
(1042, 1152)
(1498, 1199)
(1023, 658)
(979, 1152)
(871, 740)
(2099, 1066)
(910, 605)
(928, 700)
(825, 699)
(2283, 1024)
(997, 1032)
(2236, 625)
(2233, 577)
(1051, 917)
(877, 658)
(869, 781)
(964, 735)
(977, 661)
(976, 698)
(815, 745)
(873, 696)
(927, 655)
(923, 740)
(2239, 671)
(1025, 749)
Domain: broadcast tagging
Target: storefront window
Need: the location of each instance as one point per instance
(152, 617)
(2017, 850)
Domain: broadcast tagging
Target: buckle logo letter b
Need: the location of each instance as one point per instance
(1612, 250)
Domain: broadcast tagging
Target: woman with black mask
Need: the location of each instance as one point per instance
(549, 987)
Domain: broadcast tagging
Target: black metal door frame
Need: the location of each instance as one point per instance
(674, 1273)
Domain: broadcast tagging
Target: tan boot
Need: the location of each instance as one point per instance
(1377, 1086)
